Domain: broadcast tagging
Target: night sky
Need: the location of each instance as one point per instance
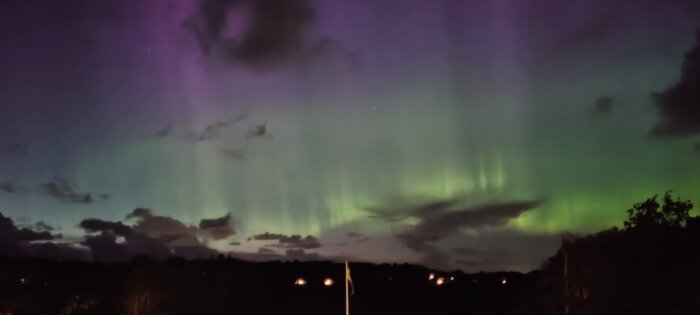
(457, 134)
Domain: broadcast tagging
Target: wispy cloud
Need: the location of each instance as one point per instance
(66, 193)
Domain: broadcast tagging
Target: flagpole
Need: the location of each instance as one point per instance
(347, 292)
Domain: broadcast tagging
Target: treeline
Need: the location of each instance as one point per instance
(650, 266)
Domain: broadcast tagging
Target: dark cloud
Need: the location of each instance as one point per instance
(260, 131)
(355, 234)
(678, 107)
(267, 236)
(66, 193)
(97, 225)
(16, 150)
(108, 246)
(399, 213)
(42, 226)
(15, 241)
(273, 32)
(161, 226)
(152, 235)
(158, 226)
(234, 243)
(292, 242)
(446, 221)
(222, 222)
(8, 187)
(444, 218)
(119, 242)
(164, 132)
(30, 235)
(218, 228)
(213, 130)
(604, 104)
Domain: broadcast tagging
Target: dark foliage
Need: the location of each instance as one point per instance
(649, 267)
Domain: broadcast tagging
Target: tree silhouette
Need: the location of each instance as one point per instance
(647, 215)
(648, 267)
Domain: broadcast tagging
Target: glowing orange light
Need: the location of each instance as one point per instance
(300, 282)
(328, 282)
(440, 281)
(431, 276)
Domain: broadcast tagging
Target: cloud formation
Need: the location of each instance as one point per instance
(291, 242)
(678, 107)
(213, 130)
(440, 219)
(8, 187)
(604, 104)
(168, 228)
(162, 133)
(152, 235)
(66, 193)
(15, 241)
(267, 32)
(43, 226)
(218, 228)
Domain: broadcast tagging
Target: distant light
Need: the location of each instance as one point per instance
(22, 280)
(504, 281)
(452, 278)
(300, 282)
(328, 282)
(440, 281)
(431, 276)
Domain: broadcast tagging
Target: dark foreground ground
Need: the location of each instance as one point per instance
(228, 286)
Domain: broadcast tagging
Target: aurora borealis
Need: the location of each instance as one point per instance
(365, 105)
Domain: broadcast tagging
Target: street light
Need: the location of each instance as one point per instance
(440, 281)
